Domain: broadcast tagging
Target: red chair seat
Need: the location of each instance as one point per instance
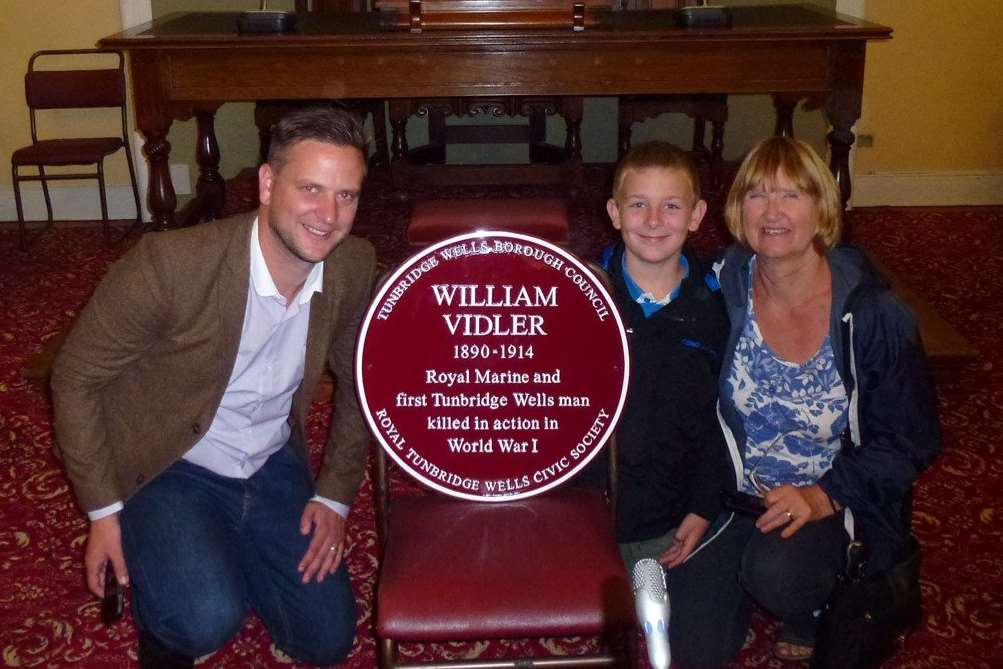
(435, 220)
(453, 570)
(67, 151)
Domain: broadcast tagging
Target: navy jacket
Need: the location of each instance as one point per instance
(893, 432)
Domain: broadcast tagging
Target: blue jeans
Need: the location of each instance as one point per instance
(201, 548)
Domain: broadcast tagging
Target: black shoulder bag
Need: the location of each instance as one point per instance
(867, 617)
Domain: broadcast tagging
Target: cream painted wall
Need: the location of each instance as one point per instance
(932, 97)
(30, 25)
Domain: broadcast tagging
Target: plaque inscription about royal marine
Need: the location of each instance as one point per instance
(492, 366)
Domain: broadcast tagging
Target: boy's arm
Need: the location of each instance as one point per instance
(705, 484)
(706, 480)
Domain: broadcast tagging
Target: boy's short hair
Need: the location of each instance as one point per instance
(657, 154)
(327, 124)
(798, 162)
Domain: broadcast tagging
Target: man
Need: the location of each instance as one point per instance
(181, 397)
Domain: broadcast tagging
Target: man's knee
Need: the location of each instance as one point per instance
(198, 627)
(318, 628)
(324, 645)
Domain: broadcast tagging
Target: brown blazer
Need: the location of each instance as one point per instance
(144, 369)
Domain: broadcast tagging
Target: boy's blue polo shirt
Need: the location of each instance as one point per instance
(647, 301)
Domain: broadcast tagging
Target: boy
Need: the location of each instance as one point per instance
(671, 450)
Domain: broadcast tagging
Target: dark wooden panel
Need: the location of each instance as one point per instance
(683, 68)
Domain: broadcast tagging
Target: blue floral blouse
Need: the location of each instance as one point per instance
(793, 413)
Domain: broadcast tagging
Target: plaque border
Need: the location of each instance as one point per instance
(407, 265)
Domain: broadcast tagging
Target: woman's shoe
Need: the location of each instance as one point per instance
(792, 651)
(792, 646)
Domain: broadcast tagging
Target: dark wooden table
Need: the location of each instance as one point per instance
(186, 65)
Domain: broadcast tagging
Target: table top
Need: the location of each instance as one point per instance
(785, 22)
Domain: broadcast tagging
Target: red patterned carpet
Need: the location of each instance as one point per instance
(952, 257)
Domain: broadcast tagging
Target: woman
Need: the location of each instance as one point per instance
(826, 406)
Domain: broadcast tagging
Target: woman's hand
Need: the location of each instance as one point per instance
(794, 507)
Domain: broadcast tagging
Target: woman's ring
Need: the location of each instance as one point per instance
(790, 517)
(334, 548)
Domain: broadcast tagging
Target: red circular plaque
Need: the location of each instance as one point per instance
(492, 366)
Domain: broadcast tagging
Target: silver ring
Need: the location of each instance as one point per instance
(334, 548)
(790, 516)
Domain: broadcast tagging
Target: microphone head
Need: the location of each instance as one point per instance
(649, 577)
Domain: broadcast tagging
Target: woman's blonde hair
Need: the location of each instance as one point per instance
(799, 163)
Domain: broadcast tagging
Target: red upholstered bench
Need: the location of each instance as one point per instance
(435, 220)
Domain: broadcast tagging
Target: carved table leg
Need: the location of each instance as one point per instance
(380, 157)
(154, 120)
(400, 109)
(573, 117)
(210, 187)
(699, 144)
(840, 141)
(207, 205)
(785, 106)
(717, 154)
(161, 198)
(843, 109)
(264, 136)
(573, 109)
(624, 131)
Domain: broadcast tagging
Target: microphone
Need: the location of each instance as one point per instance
(652, 602)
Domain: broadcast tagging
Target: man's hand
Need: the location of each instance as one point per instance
(688, 535)
(794, 507)
(104, 544)
(323, 555)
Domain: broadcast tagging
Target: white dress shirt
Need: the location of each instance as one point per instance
(251, 422)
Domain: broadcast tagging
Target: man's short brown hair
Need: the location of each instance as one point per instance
(327, 124)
